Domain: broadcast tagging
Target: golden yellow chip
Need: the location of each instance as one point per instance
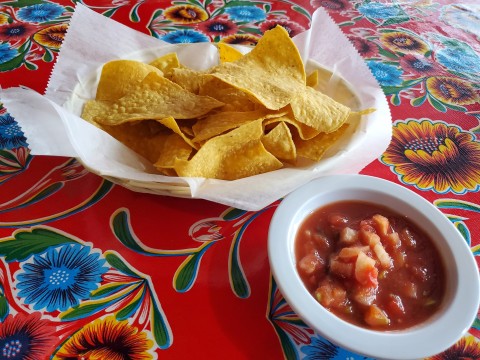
(305, 132)
(142, 137)
(174, 147)
(315, 148)
(228, 53)
(170, 123)
(237, 154)
(166, 63)
(221, 122)
(271, 73)
(155, 98)
(234, 99)
(312, 79)
(188, 79)
(120, 77)
(279, 142)
(317, 110)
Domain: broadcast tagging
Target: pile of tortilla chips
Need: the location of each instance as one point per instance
(250, 114)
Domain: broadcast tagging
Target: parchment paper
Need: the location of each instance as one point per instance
(52, 124)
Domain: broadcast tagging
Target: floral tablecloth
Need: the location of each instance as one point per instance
(90, 270)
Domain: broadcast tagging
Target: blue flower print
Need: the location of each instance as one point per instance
(378, 10)
(320, 348)
(39, 13)
(184, 36)
(11, 136)
(60, 278)
(387, 75)
(246, 13)
(460, 60)
(7, 53)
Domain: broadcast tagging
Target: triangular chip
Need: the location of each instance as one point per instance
(279, 142)
(119, 77)
(170, 123)
(228, 53)
(271, 73)
(155, 98)
(317, 110)
(237, 154)
(315, 148)
(166, 63)
(189, 79)
(234, 99)
(219, 123)
(140, 137)
(173, 148)
(305, 132)
(312, 79)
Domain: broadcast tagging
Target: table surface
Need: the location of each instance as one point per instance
(164, 277)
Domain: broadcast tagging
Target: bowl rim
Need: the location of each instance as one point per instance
(425, 340)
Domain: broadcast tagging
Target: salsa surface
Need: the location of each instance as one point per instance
(369, 265)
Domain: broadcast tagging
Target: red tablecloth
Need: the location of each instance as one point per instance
(92, 268)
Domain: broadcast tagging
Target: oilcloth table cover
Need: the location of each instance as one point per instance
(91, 267)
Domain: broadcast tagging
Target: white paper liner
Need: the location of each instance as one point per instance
(53, 126)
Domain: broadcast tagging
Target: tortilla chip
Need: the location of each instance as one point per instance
(305, 132)
(221, 122)
(237, 154)
(312, 79)
(174, 147)
(166, 63)
(279, 142)
(271, 73)
(140, 137)
(317, 110)
(155, 98)
(227, 53)
(188, 79)
(234, 99)
(170, 123)
(315, 148)
(120, 77)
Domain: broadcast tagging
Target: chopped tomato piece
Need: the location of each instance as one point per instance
(341, 268)
(376, 317)
(365, 295)
(331, 294)
(381, 224)
(392, 239)
(369, 238)
(351, 253)
(382, 256)
(348, 236)
(365, 271)
(310, 264)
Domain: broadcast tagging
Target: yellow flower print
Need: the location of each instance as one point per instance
(467, 347)
(433, 155)
(3, 19)
(107, 338)
(52, 36)
(403, 42)
(185, 14)
(241, 39)
(451, 90)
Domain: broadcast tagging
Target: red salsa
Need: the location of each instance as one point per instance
(370, 266)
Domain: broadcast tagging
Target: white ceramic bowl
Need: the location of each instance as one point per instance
(441, 331)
